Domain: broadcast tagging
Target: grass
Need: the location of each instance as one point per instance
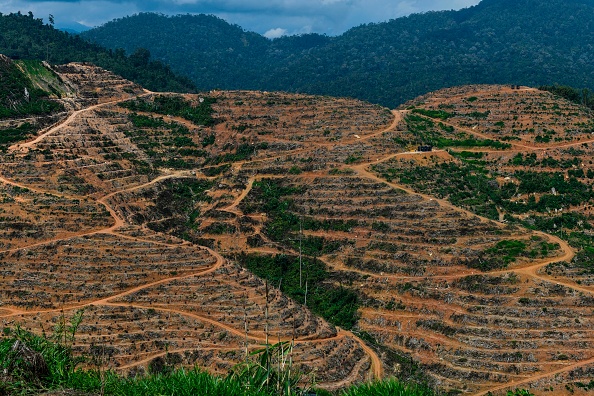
(443, 115)
(390, 387)
(259, 376)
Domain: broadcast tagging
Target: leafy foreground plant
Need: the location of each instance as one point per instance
(272, 372)
(30, 362)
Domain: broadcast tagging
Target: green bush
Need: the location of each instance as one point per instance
(337, 304)
(200, 114)
(442, 115)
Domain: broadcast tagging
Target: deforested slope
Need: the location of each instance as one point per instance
(202, 225)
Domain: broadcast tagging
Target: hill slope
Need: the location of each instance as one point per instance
(527, 42)
(25, 37)
(162, 215)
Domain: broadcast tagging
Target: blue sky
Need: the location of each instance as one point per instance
(271, 18)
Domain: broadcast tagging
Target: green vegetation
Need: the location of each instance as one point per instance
(219, 228)
(507, 251)
(425, 131)
(375, 62)
(167, 144)
(389, 387)
(284, 224)
(243, 152)
(337, 304)
(470, 185)
(199, 114)
(584, 96)
(472, 143)
(464, 185)
(585, 386)
(585, 259)
(443, 115)
(271, 372)
(468, 155)
(27, 37)
(550, 162)
(216, 170)
(18, 95)
(33, 364)
(519, 392)
(177, 202)
(40, 363)
(479, 115)
(9, 136)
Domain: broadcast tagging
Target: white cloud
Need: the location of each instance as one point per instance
(275, 33)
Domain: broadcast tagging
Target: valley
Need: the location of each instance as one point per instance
(199, 227)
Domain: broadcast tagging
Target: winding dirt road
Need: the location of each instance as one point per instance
(119, 222)
(376, 371)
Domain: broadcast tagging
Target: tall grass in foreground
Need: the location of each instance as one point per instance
(179, 382)
(32, 364)
(390, 387)
(21, 374)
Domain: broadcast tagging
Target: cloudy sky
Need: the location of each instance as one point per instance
(269, 17)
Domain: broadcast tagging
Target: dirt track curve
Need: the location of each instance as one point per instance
(376, 371)
(119, 222)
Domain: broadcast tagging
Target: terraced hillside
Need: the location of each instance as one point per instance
(198, 227)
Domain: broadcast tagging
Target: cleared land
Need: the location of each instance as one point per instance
(467, 266)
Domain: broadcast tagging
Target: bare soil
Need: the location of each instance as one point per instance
(84, 229)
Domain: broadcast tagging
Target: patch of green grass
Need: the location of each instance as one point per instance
(243, 152)
(18, 95)
(444, 142)
(507, 250)
(391, 387)
(200, 114)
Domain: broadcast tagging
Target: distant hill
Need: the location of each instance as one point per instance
(72, 27)
(209, 50)
(527, 42)
(26, 37)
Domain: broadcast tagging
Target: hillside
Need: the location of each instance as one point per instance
(26, 37)
(526, 42)
(26, 88)
(196, 227)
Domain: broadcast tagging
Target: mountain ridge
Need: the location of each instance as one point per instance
(495, 42)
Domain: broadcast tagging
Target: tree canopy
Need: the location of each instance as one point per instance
(27, 37)
(528, 42)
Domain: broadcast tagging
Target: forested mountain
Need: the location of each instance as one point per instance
(528, 42)
(26, 37)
